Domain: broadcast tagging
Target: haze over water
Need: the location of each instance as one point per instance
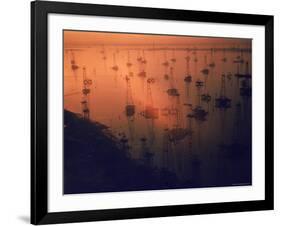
(213, 149)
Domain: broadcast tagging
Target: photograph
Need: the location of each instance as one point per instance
(146, 112)
(155, 111)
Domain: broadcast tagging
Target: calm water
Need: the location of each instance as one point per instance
(213, 149)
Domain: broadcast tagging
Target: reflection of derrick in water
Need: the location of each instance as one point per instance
(205, 97)
(223, 102)
(175, 147)
(189, 140)
(192, 163)
(188, 120)
(166, 66)
(239, 61)
(87, 83)
(74, 68)
(142, 68)
(124, 141)
(237, 69)
(130, 108)
(224, 58)
(195, 165)
(73, 64)
(237, 122)
(94, 77)
(187, 81)
(212, 62)
(115, 68)
(236, 148)
(173, 59)
(174, 99)
(195, 59)
(199, 85)
(166, 150)
(104, 58)
(221, 165)
(146, 154)
(150, 112)
(199, 115)
(228, 74)
(246, 89)
(246, 93)
(229, 78)
(189, 117)
(183, 134)
(224, 68)
(242, 73)
(188, 124)
(198, 112)
(246, 74)
(177, 132)
(188, 77)
(144, 61)
(172, 91)
(129, 65)
(172, 150)
(205, 70)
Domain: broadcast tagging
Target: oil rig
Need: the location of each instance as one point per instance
(115, 68)
(246, 89)
(146, 154)
(212, 62)
(205, 70)
(142, 68)
(87, 83)
(206, 97)
(223, 102)
(73, 64)
(129, 65)
(130, 108)
(166, 64)
(188, 77)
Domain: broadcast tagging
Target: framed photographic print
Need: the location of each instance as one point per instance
(145, 112)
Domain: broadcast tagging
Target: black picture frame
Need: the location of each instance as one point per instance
(39, 112)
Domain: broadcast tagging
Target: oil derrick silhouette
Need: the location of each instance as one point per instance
(130, 108)
(142, 68)
(73, 64)
(188, 76)
(115, 69)
(245, 91)
(146, 154)
(166, 64)
(129, 65)
(151, 113)
(206, 97)
(87, 83)
(104, 58)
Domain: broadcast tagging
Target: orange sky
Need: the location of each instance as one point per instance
(84, 38)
